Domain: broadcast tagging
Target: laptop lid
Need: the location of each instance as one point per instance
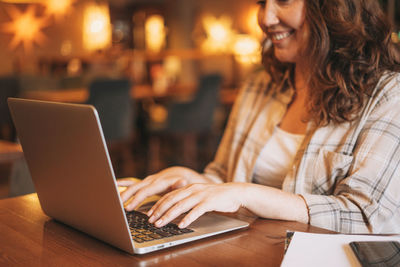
(68, 160)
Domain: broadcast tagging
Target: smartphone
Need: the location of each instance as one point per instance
(377, 253)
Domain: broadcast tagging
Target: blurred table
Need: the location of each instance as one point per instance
(138, 92)
(79, 95)
(10, 151)
(28, 237)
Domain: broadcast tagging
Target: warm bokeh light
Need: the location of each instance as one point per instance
(66, 48)
(155, 33)
(396, 37)
(172, 66)
(247, 49)
(25, 27)
(96, 27)
(219, 34)
(23, 1)
(74, 67)
(58, 8)
(252, 23)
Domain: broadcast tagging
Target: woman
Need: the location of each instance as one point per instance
(314, 139)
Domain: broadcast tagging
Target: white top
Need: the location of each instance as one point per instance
(276, 158)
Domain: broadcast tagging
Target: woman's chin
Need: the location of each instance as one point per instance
(285, 56)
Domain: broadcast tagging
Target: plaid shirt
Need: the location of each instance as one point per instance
(348, 173)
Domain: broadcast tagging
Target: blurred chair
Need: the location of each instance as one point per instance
(19, 179)
(112, 99)
(188, 121)
(10, 154)
(9, 87)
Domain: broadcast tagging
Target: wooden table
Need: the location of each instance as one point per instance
(30, 238)
(9, 151)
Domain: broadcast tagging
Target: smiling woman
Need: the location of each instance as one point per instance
(314, 138)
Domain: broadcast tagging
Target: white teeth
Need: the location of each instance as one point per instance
(280, 36)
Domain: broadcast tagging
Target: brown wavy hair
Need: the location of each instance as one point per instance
(349, 51)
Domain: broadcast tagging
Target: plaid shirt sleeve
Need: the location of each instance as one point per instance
(357, 191)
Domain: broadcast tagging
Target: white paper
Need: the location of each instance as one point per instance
(307, 249)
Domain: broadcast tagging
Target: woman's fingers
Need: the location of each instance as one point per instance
(192, 202)
(126, 182)
(178, 184)
(183, 197)
(178, 202)
(193, 215)
(132, 189)
(196, 198)
(166, 202)
(169, 179)
(148, 190)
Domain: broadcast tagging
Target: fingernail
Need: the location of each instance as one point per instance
(152, 219)
(181, 225)
(159, 223)
(130, 207)
(149, 213)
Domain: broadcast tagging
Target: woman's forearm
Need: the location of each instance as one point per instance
(272, 203)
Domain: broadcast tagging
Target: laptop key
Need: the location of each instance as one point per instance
(147, 238)
(143, 231)
(174, 232)
(156, 236)
(186, 230)
(162, 233)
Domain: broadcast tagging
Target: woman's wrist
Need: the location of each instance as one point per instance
(306, 212)
(272, 203)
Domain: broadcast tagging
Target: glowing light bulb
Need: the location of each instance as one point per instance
(96, 27)
(155, 33)
(219, 34)
(58, 8)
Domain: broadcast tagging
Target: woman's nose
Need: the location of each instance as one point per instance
(269, 15)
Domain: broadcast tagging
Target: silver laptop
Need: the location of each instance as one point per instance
(67, 156)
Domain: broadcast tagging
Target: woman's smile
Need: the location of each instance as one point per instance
(278, 36)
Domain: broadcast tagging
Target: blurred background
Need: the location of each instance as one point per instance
(163, 74)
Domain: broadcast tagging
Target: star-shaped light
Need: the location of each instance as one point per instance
(219, 34)
(25, 27)
(58, 8)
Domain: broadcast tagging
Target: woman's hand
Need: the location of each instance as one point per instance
(193, 193)
(159, 183)
(198, 199)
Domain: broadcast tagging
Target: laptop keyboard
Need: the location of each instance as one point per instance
(143, 231)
